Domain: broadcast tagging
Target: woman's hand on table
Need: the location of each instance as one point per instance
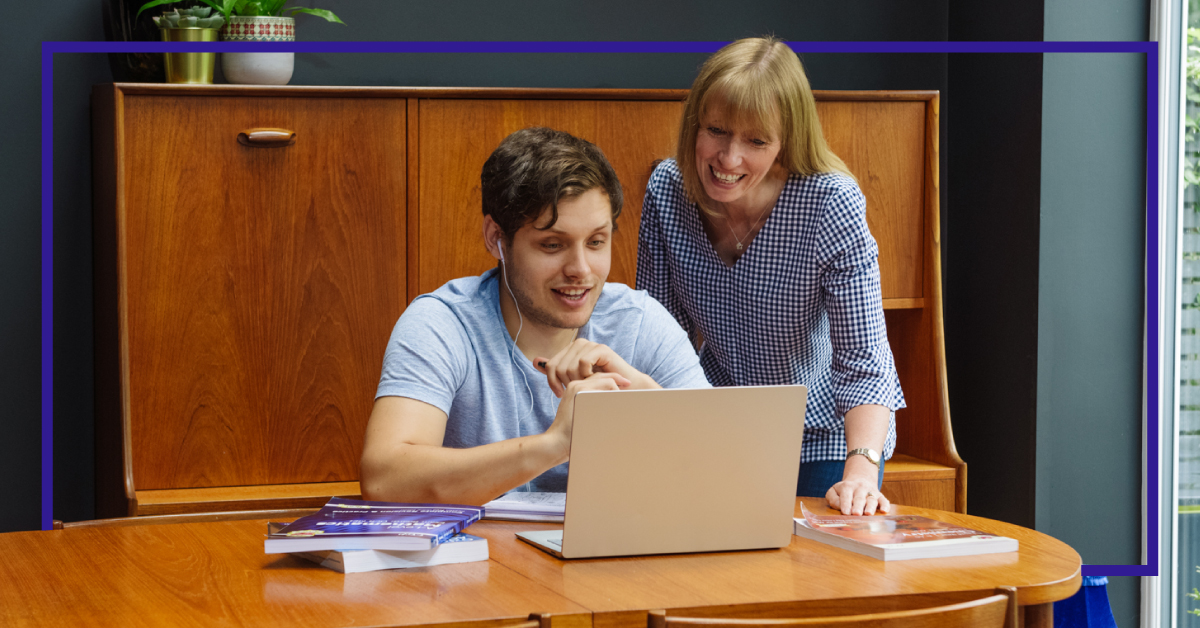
(858, 492)
(857, 495)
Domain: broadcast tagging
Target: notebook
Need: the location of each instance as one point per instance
(682, 470)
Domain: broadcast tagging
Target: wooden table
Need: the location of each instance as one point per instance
(217, 574)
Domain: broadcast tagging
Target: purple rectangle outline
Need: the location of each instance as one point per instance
(1150, 49)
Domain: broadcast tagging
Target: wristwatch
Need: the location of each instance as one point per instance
(870, 454)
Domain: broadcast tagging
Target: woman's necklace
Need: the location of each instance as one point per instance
(752, 227)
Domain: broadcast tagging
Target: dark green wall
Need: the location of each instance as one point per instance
(20, 276)
(1091, 290)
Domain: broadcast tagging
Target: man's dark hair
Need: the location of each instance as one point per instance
(535, 168)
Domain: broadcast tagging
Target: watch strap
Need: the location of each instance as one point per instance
(869, 454)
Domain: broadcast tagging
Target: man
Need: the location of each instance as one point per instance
(479, 378)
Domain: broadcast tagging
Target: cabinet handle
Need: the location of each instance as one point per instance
(267, 138)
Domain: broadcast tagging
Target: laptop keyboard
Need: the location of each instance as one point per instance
(556, 541)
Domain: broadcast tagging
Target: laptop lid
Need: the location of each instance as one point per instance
(683, 470)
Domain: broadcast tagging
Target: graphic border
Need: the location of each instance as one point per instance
(1150, 49)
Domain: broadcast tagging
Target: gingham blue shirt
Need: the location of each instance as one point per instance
(801, 306)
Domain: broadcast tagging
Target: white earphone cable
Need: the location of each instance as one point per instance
(511, 350)
(520, 326)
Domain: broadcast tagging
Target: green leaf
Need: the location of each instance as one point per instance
(151, 4)
(217, 7)
(328, 15)
(273, 7)
(252, 8)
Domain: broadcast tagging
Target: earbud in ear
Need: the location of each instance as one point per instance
(500, 249)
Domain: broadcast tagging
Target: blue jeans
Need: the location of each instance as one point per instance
(818, 476)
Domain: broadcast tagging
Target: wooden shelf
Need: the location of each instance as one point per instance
(909, 480)
(903, 304)
(226, 498)
(905, 467)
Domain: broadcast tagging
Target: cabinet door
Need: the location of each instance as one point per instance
(260, 284)
(883, 145)
(457, 136)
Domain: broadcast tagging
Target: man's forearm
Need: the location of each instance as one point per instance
(434, 474)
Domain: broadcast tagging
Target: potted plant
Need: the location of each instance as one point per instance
(257, 20)
(195, 24)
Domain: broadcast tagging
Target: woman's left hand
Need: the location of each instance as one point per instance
(857, 496)
(858, 492)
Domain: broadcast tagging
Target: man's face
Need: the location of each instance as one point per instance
(556, 274)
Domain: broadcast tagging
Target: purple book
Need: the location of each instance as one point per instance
(353, 524)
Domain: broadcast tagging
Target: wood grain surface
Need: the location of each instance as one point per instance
(632, 134)
(910, 334)
(216, 574)
(986, 612)
(261, 285)
(619, 590)
(839, 607)
(233, 498)
(883, 144)
(245, 295)
(524, 93)
(210, 574)
(288, 514)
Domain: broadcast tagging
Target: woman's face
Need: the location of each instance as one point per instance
(734, 160)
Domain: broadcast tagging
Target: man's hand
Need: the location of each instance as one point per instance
(583, 358)
(564, 419)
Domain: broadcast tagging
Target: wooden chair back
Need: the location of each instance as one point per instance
(987, 609)
(535, 620)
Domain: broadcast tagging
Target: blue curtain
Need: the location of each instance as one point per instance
(1088, 608)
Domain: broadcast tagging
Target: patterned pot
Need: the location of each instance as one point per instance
(259, 68)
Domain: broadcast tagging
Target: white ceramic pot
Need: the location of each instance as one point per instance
(259, 68)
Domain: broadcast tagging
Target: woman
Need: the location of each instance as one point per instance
(755, 237)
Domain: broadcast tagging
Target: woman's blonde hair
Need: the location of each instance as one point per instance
(757, 79)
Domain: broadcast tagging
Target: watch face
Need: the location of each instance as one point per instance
(870, 454)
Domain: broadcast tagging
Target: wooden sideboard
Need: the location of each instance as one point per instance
(245, 294)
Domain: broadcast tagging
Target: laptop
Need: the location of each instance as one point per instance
(681, 470)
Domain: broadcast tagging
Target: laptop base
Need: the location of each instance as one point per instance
(549, 541)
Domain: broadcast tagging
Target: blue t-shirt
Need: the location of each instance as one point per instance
(451, 350)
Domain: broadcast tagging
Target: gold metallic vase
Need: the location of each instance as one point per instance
(190, 67)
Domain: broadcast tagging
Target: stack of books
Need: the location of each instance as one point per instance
(527, 506)
(350, 535)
